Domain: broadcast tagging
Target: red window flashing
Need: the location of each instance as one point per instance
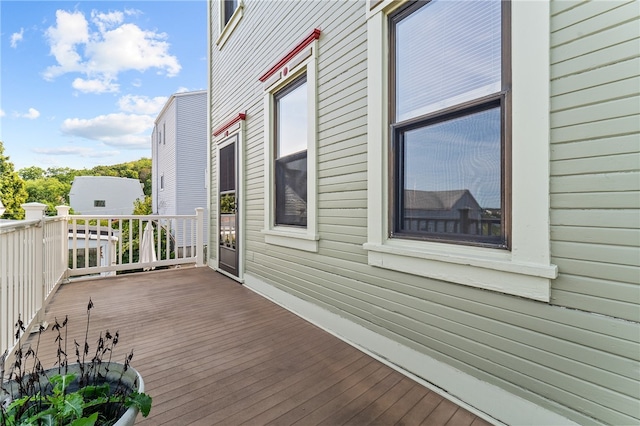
(315, 35)
(229, 123)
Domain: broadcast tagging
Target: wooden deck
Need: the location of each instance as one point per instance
(213, 352)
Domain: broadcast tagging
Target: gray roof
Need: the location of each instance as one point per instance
(435, 200)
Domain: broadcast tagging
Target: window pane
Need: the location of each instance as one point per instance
(447, 52)
(227, 168)
(292, 120)
(229, 7)
(451, 178)
(291, 189)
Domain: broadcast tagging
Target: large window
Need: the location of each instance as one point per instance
(458, 142)
(449, 91)
(291, 154)
(290, 148)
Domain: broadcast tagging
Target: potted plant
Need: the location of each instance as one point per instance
(95, 391)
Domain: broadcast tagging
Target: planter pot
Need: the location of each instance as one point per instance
(130, 379)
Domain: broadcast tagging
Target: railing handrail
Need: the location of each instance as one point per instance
(12, 225)
(130, 216)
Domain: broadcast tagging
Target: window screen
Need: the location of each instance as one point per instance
(448, 122)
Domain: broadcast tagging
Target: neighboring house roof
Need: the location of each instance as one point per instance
(437, 200)
(171, 99)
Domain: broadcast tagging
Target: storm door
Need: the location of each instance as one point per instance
(228, 207)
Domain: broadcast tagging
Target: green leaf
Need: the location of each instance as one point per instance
(60, 382)
(140, 400)
(72, 406)
(95, 391)
(85, 421)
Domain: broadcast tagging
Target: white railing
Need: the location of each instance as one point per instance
(39, 253)
(104, 245)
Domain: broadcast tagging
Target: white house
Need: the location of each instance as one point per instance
(104, 195)
(179, 157)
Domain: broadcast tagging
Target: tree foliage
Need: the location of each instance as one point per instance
(52, 186)
(49, 191)
(12, 188)
(31, 173)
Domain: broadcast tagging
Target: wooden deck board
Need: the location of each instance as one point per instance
(213, 352)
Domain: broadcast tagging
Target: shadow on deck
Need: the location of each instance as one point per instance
(213, 352)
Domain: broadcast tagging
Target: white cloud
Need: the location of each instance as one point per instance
(2, 114)
(76, 150)
(71, 30)
(121, 130)
(95, 85)
(103, 50)
(128, 47)
(32, 114)
(182, 89)
(106, 20)
(16, 37)
(142, 104)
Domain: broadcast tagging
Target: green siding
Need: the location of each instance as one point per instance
(578, 355)
(595, 179)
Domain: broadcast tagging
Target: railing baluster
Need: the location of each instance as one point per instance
(87, 239)
(158, 240)
(120, 238)
(74, 246)
(130, 240)
(98, 246)
(109, 255)
(5, 248)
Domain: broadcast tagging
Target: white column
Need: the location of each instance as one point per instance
(35, 211)
(63, 212)
(199, 236)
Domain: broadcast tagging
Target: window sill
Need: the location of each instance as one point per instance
(476, 267)
(231, 25)
(292, 238)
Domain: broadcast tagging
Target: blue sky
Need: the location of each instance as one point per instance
(82, 82)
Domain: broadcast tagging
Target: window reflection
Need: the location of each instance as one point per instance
(228, 220)
(451, 177)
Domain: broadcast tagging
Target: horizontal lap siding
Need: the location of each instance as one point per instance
(595, 161)
(580, 365)
(191, 160)
(595, 176)
(166, 161)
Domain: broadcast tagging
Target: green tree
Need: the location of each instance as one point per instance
(52, 186)
(63, 174)
(143, 166)
(138, 169)
(49, 191)
(142, 207)
(31, 173)
(12, 188)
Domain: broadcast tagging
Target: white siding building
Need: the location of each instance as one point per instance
(106, 195)
(179, 156)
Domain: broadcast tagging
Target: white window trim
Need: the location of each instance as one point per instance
(526, 269)
(298, 238)
(226, 30)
